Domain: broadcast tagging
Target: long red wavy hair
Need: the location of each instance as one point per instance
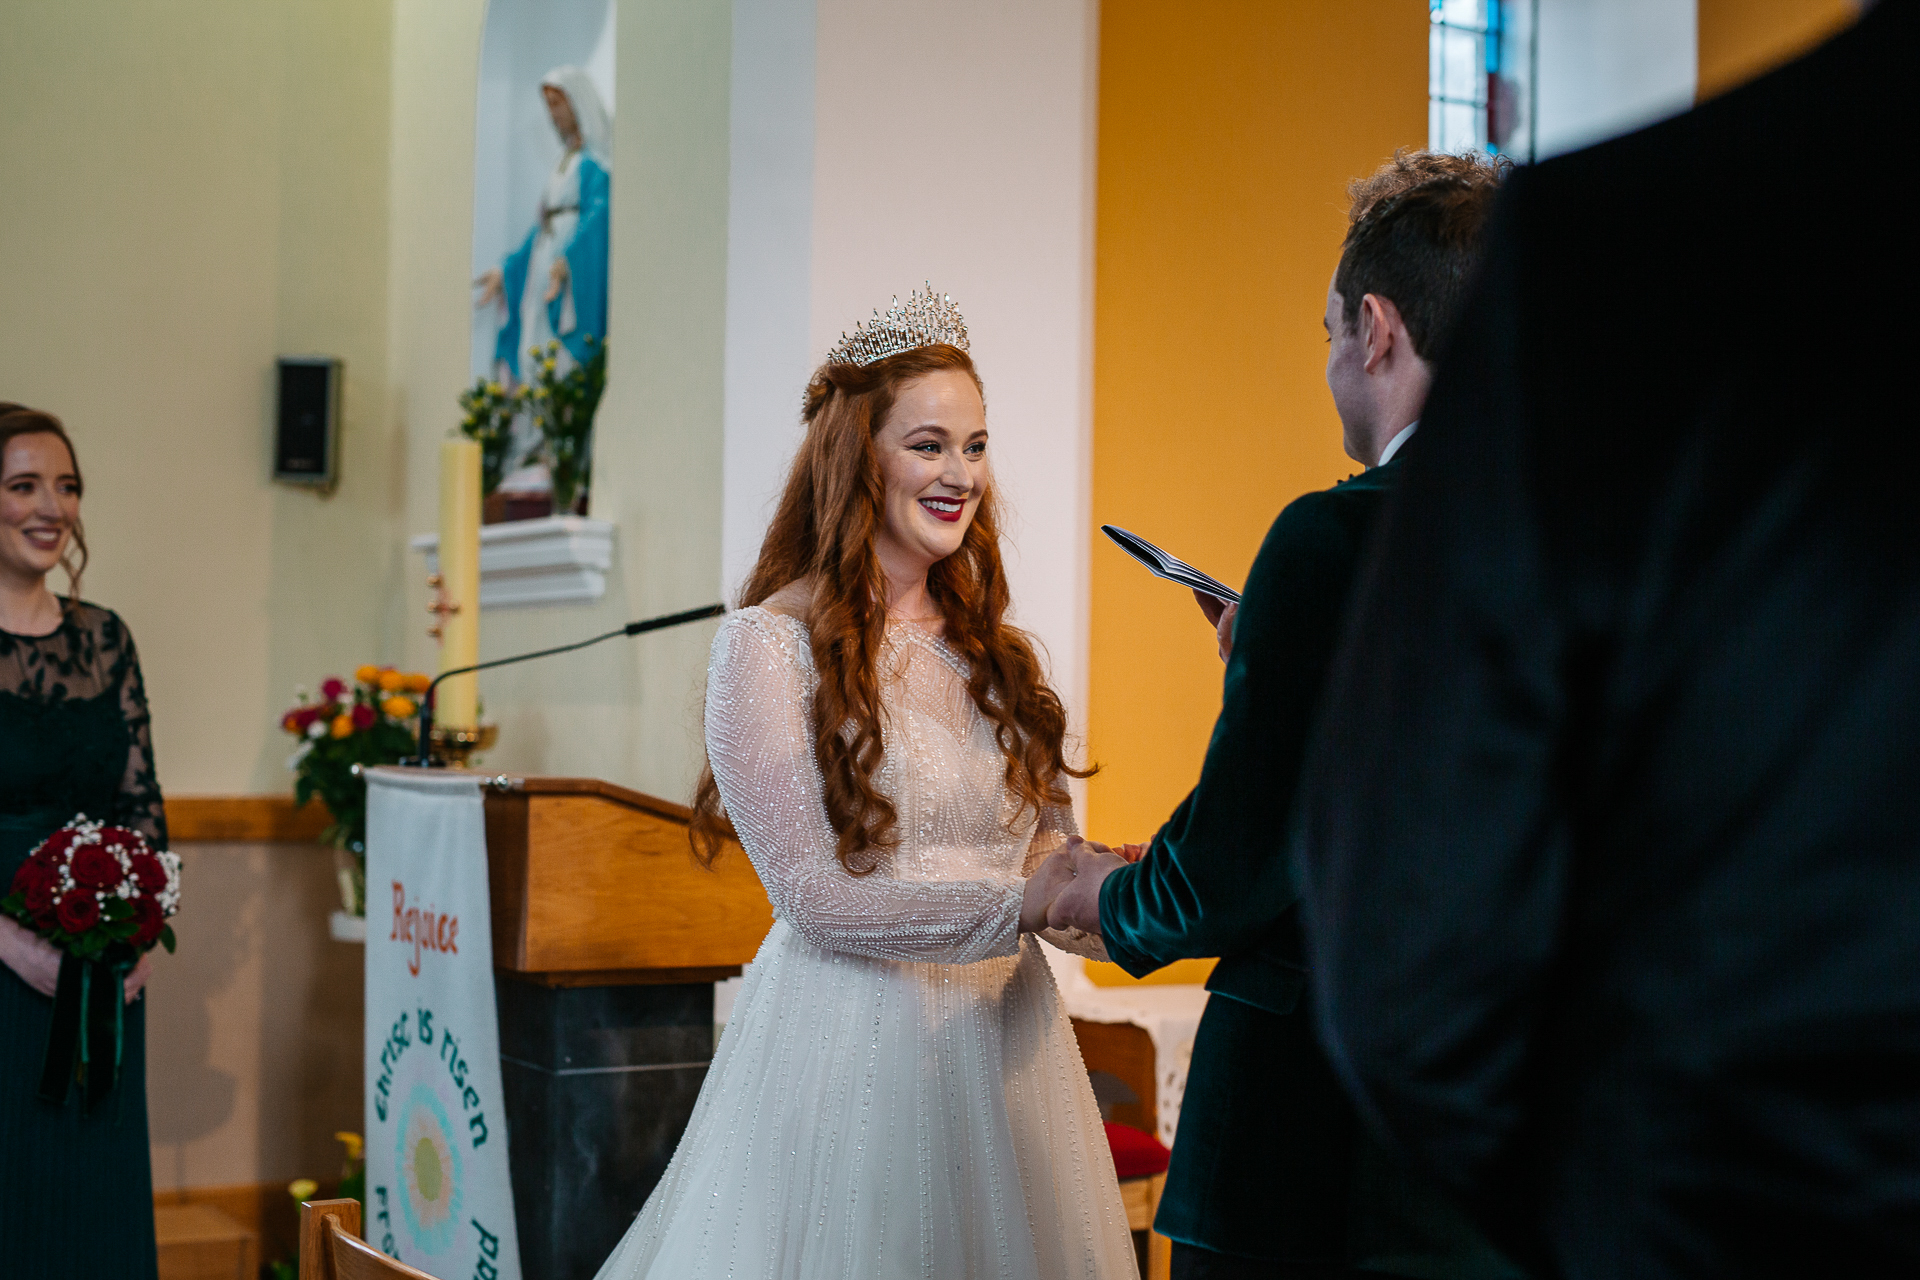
(824, 532)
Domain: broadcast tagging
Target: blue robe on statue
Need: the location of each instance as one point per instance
(586, 255)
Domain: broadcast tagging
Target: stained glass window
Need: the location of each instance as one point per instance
(1479, 75)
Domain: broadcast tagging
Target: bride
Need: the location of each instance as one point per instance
(898, 1091)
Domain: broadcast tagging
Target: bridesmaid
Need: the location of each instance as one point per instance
(76, 1188)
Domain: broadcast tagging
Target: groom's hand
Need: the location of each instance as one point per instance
(1221, 615)
(1046, 882)
(1077, 906)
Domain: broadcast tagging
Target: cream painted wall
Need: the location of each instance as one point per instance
(1606, 69)
(981, 182)
(253, 1025)
(194, 191)
(987, 194)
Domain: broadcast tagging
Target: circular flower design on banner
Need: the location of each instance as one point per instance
(430, 1171)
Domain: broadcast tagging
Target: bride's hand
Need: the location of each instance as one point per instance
(36, 960)
(1045, 884)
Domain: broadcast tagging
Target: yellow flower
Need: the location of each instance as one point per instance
(367, 674)
(342, 726)
(392, 681)
(418, 681)
(493, 389)
(549, 365)
(397, 707)
(355, 1145)
(302, 1189)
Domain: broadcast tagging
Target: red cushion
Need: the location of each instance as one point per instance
(1136, 1154)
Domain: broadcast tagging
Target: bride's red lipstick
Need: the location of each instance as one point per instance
(959, 508)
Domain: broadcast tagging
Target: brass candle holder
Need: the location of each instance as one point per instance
(457, 746)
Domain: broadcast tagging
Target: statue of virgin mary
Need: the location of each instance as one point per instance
(555, 284)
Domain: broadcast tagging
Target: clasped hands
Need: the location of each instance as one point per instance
(1064, 891)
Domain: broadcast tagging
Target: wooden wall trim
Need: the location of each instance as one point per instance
(250, 819)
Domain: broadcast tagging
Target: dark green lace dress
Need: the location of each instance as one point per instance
(76, 1189)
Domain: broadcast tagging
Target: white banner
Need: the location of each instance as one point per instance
(438, 1195)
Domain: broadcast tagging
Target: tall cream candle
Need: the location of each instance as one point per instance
(457, 700)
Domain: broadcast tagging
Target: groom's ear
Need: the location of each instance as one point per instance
(1381, 329)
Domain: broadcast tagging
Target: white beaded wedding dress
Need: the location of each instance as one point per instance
(898, 1092)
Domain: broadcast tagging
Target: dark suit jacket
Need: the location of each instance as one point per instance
(1265, 1164)
(1611, 840)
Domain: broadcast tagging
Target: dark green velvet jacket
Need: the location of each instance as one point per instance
(1270, 1160)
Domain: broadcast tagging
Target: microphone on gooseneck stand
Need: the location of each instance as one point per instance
(425, 759)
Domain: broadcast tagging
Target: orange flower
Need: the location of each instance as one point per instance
(418, 682)
(368, 674)
(392, 681)
(342, 726)
(290, 722)
(397, 707)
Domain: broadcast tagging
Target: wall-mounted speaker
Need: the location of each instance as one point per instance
(306, 434)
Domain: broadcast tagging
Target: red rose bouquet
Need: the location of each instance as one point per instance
(102, 896)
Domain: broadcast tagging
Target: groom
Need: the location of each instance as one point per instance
(1270, 1174)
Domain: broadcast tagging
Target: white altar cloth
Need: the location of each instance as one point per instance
(438, 1194)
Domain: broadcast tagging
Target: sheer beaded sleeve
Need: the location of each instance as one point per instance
(759, 743)
(138, 804)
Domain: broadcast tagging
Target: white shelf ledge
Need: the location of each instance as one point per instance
(552, 560)
(346, 928)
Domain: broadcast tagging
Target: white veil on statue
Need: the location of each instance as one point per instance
(589, 112)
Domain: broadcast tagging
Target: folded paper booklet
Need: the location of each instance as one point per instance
(1168, 567)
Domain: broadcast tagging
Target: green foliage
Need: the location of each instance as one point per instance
(563, 407)
(326, 770)
(488, 411)
(116, 926)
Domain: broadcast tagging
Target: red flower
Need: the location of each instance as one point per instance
(95, 868)
(332, 687)
(53, 850)
(35, 883)
(147, 914)
(148, 873)
(363, 716)
(78, 912)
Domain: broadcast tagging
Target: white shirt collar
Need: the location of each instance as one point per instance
(1393, 445)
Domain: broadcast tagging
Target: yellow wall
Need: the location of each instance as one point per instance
(1228, 132)
(193, 190)
(1739, 39)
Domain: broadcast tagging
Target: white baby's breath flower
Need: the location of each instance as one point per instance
(318, 729)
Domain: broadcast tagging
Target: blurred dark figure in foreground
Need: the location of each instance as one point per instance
(1611, 837)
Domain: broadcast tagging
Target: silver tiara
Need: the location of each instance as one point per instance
(924, 321)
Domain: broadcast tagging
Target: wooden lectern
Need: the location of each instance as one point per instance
(594, 885)
(607, 939)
